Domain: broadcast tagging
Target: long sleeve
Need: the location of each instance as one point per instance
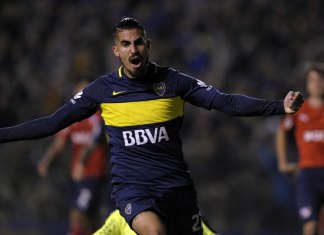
(200, 94)
(44, 126)
(68, 114)
(241, 105)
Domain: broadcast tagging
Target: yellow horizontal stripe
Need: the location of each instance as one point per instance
(142, 112)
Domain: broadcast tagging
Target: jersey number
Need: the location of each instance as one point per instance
(196, 223)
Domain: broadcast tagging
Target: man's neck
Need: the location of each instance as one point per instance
(145, 71)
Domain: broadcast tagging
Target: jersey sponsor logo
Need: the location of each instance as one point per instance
(144, 136)
(77, 96)
(202, 84)
(117, 92)
(314, 136)
(159, 88)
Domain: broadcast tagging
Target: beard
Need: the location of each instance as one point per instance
(136, 73)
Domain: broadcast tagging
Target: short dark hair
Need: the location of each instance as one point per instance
(128, 23)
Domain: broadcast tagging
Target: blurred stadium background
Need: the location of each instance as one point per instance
(254, 47)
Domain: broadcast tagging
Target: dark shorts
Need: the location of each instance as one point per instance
(177, 207)
(86, 195)
(310, 193)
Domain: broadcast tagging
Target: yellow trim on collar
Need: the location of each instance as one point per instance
(120, 71)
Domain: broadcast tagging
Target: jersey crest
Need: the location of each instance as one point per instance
(159, 88)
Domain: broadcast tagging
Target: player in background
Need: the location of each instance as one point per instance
(142, 105)
(308, 127)
(115, 224)
(88, 169)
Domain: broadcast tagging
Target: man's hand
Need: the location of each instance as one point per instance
(293, 101)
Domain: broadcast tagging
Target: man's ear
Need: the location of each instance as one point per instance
(115, 51)
(148, 44)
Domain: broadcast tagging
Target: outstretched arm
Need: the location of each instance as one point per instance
(46, 126)
(81, 106)
(37, 128)
(241, 105)
(200, 94)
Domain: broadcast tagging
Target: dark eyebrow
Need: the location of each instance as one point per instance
(124, 41)
(141, 39)
(138, 40)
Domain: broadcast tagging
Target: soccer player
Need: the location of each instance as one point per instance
(115, 224)
(88, 169)
(142, 105)
(308, 127)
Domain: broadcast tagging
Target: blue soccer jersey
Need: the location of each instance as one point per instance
(143, 119)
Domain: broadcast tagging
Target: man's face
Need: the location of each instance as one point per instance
(315, 84)
(133, 51)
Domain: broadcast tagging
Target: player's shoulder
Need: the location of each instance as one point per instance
(106, 78)
(176, 73)
(169, 73)
(100, 84)
(166, 70)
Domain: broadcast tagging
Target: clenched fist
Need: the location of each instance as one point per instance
(293, 101)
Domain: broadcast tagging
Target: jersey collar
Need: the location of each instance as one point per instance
(152, 67)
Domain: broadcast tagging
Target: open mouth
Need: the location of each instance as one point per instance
(136, 61)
